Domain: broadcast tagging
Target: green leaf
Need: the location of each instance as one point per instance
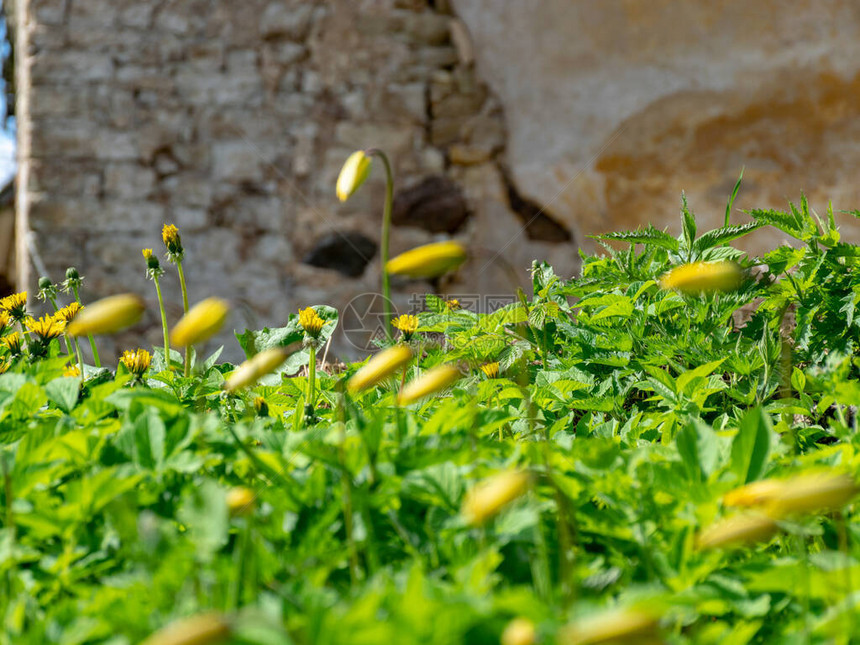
(732, 198)
(723, 235)
(63, 392)
(697, 445)
(649, 236)
(751, 446)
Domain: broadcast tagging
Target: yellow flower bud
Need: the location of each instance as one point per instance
(202, 321)
(490, 370)
(355, 171)
(379, 367)
(137, 361)
(172, 240)
(108, 315)
(813, 493)
(760, 493)
(248, 372)
(488, 498)
(430, 382)
(703, 277)
(406, 324)
(240, 501)
(520, 631)
(737, 531)
(204, 629)
(428, 261)
(311, 322)
(613, 626)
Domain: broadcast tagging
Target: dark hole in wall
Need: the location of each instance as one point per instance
(347, 253)
(539, 223)
(435, 204)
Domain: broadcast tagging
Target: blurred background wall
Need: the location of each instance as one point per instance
(518, 128)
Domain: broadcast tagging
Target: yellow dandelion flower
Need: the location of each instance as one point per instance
(71, 370)
(12, 342)
(703, 277)
(353, 174)
(5, 320)
(46, 328)
(203, 321)
(172, 240)
(311, 322)
(406, 324)
(813, 493)
(379, 367)
(428, 261)
(613, 626)
(204, 629)
(737, 531)
(108, 315)
(68, 312)
(240, 500)
(760, 493)
(488, 498)
(15, 305)
(490, 370)
(150, 259)
(254, 368)
(453, 304)
(432, 381)
(5, 364)
(137, 361)
(520, 631)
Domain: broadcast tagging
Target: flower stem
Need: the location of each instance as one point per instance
(96, 360)
(187, 371)
(386, 234)
(312, 376)
(163, 322)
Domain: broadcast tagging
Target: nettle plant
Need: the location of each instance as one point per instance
(662, 449)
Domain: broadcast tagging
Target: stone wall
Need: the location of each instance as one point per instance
(232, 119)
(516, 127)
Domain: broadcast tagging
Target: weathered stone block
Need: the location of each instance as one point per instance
(127, 181)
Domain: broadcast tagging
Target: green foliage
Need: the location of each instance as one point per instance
(633, 409)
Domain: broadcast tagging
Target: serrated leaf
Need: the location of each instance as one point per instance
(647, 236)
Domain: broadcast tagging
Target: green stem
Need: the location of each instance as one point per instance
(92, 340)
(187, 370)
(163, 322)
(312, 376)
(80, 355)
(386, 234)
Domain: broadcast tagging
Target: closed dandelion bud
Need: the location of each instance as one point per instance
(240, 501)
(108, 315)
(489, 497)
(205, 629)
(813, 493)
(736, 531)
(703, 277)
(428, 261)
(202, 321)
(72, 274)
(47, 290)
(407, 324)
(261, 407)
(152, 263)
(431, 382)
(614, 626)
(520, 631)
(311, 322)
(172, 242)
(354, 172)
(384, 364)
(254, 368)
